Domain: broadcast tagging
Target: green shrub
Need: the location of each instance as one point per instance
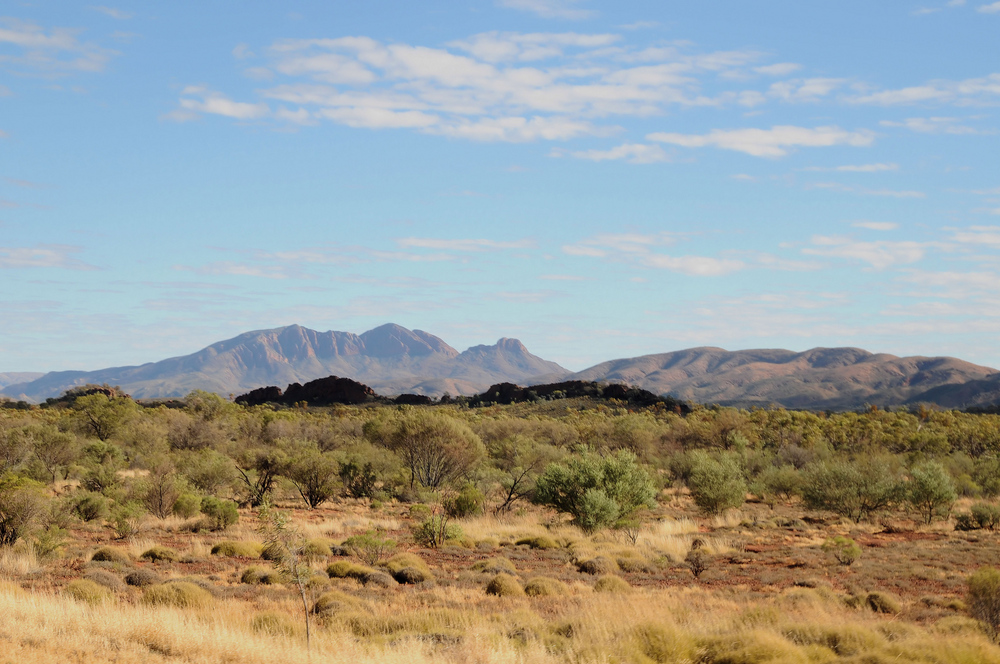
(504, 585)
(49, 541)
(844, 549)
(220, 513)
(966, 522)
(717, 484)
(261, 576)
(435, 531)
(612, 584)
(598, 565)
(420, 512)
(983, 597)
(345, 569)
(543, 586)
(91, 506)
(111, 554)
(160, 554)
(233, 549)
(931, 489)
(855, 489)
(181, 594)
(986, 515)
(540, 542)
(126, 519)
(142, 577)
(371, 547)
(86, 590)
(274, 623)
(881, 602)
(468, 502)
(187, 505)
(359, 481)
(494, 566)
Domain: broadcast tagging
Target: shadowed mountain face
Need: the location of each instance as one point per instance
(390, 358)
(17, 377)
(821, 378)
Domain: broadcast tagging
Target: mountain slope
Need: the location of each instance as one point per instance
(18, 377)
(391, 359)
(821, 378)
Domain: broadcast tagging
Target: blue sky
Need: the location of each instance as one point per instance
(599, 180)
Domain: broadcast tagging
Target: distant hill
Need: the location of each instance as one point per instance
(18, 377)
(390, 359)
(819, 379)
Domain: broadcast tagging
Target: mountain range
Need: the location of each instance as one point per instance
(393, 360)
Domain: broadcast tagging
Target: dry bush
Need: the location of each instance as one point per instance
(334, 602)
(495, 566)
(158, 554)
(612, 584)
(598, 565)
(504, 585)
(408, 568)
(234, 549)
(274, 623)
(142, 577)
(180, 594)
(106, 579)
(86, 590)
(543, 586)
(261, 576)
(111, 554)
(540, 542)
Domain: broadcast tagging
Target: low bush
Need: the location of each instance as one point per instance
(91, 506)
(986, 515)
(106, 579)
(504, 585)
(345, 569)
(408, 568)
(612, 584)
(844, 549)
(158, 554)
(220, 513)
(494, 566)
(881, 602)
(334, 602)
(273, 551)
(540, 542)
(261, 576)
(234, 549)
(983, 597)
(697, 560)
(187, 505)
(316, 549)
(664, 644)
(598, 565)
(126, 519)
(181, 594)
(142, 577)
(371, 547)
(543, 586)
(468, 502)
(86, 590)
(435, 531)
(111, 554)
(274, 623)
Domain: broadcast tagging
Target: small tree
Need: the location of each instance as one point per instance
(717, 484)
(21, 505)
(844, 549)
(983, 598)
(280, 535)
(852, 489)
(931, 490)
(314, 475)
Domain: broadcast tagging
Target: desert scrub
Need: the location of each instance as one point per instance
(541, 542)
(274, 552)
(261, 576)
(86, 590)
(504, 585)
(371, 547)
(141, 578)
(234, 549)
(881, 602)
(181, 594)
(333, 602)
(111, 554)
(160, 554)
(345, 569)
(274, 623)
(106, 579)
(543, 586)
(435, 531)
(494, 566)
(844, 549)
(598, 565)
(219, 514)
(983, 597)
(663, 643)
(408, 568)
(317, 549)
(612, 584)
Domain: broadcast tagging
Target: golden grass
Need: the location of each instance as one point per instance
(19, 560)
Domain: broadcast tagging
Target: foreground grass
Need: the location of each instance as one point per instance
(463, 625)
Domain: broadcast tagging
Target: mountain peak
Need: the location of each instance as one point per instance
(391, 340)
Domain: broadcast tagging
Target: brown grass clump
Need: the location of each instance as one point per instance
(598, 565)
(106, 579)
(85, 590)
(543, 586)
(160, 554)
(141, 578)
(180, 594)
(111, 554)
(274, 623)
(634, 565)
(233, 549)
(495, 566)
(317, 549)
(881, 602)
(333, 602)
(664, 643)
(345, 569)
(260, 575)
(612, 584)
(540, 542)
(408, 568)
(504, 585)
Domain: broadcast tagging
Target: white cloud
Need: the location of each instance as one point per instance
(201, 100)
(42, 256)
(512, 46)
(880, 254)
(933, 125)
(993, 8)
(963, 93)
(876, 225)
(53, 52)
(978, 236)
(773, 142)
(550, 8)
(113, 13)
(634, 153)
(462, 245)
(778, 69)
(637, 248)
(805, 90)
(856, 168)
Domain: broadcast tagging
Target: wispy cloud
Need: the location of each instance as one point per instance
(43, 256)
(855, 168)
(968, 92)
(992, 8)
(876, 225)
(934, 125)
(774, 142)
(865, 191)
(638, 249)
(778, 69)
(565, 9)
(52, 52)
(463, 245)
(634, 153)
(113, 13)
(880, 255)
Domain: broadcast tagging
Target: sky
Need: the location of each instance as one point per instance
(598, 179)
